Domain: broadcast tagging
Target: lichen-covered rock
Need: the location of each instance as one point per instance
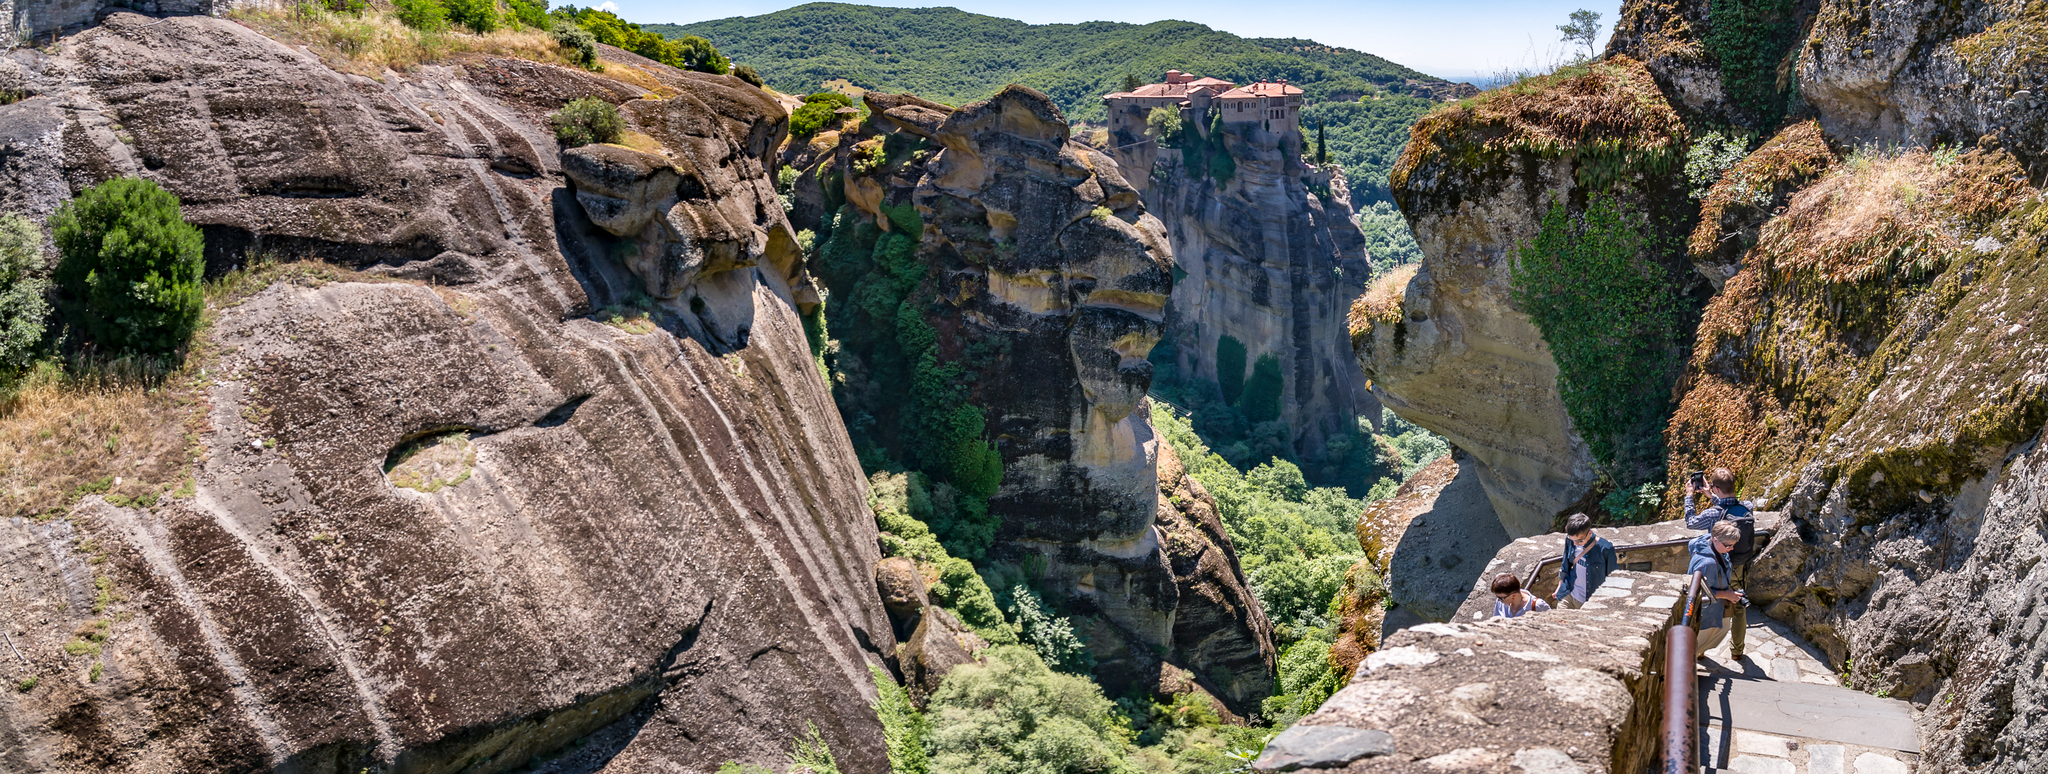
(1721, 63)
(1457, 355)
(1920, 73)
(1899, 432)
(660, 546)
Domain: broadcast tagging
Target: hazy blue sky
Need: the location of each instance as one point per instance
(1457, 39)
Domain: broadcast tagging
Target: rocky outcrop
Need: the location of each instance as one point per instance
(1432, 539)
(655, 543)
(1044, 282)
(1270, 257)
(1901, 441)
(1456, 354)
(1919, 73)
(1734, 69)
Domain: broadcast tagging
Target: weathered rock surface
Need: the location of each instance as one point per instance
(1458, 356)
(1269, 262)
(1433, 538)
(1903, 446)
(1921, 73)
(1045, 280)
(660, 535)
(1568, 690)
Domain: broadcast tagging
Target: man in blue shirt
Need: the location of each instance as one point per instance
(1588, 559)
(1720, 488)
(1710, 559)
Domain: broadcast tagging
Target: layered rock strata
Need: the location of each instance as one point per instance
(1045, 280)
(1272, 258)
(655, 543)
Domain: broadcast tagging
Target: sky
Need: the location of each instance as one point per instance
(1455, 39)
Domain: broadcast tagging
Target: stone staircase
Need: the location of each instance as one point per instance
(1781, 710)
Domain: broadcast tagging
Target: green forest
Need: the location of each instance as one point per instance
(955, 57)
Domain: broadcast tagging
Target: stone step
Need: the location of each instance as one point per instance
(1808, 711)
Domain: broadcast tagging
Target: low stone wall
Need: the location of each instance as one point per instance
(1521, 556)
(1556, 692)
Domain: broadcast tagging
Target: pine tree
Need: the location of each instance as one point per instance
(1322, 148)
(1131, 82)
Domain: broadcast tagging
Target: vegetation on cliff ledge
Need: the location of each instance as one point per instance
(1608, 117)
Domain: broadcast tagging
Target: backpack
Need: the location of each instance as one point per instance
(1745, 521)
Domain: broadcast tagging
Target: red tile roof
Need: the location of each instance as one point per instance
(1261, 89)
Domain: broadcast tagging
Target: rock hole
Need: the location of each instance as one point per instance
(433, 460)
(561, 414)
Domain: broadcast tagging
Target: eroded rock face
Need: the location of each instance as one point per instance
(657, 548)
(1040, 246)
(1457, 355)
(1433, 538)
(1919, 73)
(1270, 262)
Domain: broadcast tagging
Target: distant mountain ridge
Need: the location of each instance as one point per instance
(957, 57)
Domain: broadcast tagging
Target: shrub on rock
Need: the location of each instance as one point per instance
(131, 266)
(422, 15)
(587, 120)
(23, 290)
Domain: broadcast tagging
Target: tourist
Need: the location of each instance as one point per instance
(1710, 559)
(1510, 601)
(1588, 558)
(1719, 487)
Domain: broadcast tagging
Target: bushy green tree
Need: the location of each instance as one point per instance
(581, 45)
(131, 266)
(1163, 125)
(750, 75)
(689, 53)
(586, 121)
(1263, 391)
(1387, 238)
(1011, 713)
(1053, 637)
(24, 291)
(529, 13)
(480, 16)
(422, 15)
(1299, 590)
(816, 113)
(1280, 480)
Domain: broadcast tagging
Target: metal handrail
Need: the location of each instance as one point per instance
(1681, 711)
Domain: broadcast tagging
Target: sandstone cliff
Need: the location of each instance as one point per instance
(440, 519)
(997, 286)
(1271, 258)
(1451, 348)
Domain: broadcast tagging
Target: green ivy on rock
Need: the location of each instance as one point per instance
(1614, 324)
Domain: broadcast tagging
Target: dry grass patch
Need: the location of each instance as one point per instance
(62, 438)
(1381, 304)
(1883, 211)
(374, 42)
(122, 429)
(1759, 181)
(1609, 116)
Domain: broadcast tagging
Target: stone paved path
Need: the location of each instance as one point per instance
(1775, 653)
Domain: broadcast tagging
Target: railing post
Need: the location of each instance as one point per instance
(1680, 730)
(1681, 710)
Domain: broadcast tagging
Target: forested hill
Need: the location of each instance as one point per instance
(958, 57)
